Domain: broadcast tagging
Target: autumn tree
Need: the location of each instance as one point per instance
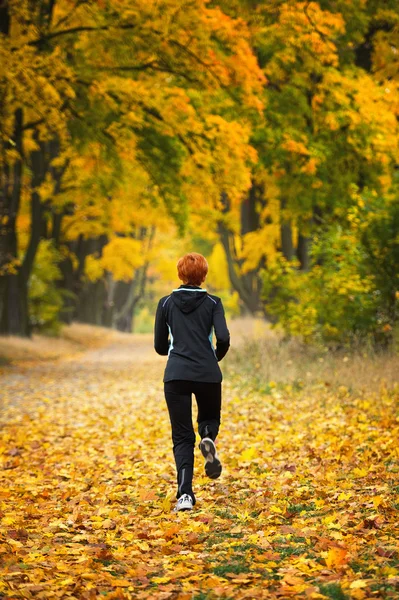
(85, 91)
(34, 87)
(329, 127)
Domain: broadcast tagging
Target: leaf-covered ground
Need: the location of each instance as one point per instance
(306, 507)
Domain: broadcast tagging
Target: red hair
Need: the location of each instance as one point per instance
(192, 268)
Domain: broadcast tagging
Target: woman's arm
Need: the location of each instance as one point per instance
(161, 331)
(221, 331)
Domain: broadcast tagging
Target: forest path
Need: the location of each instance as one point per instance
(119, 363)
(129, 359)
(305, 506)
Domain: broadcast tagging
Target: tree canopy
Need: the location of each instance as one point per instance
(260, 133)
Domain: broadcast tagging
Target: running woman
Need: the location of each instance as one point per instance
(184, 326)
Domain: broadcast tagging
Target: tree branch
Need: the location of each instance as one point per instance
(198, 60)
(305, 10)
(151, 65)
(142, 67)
(72, 30)
(32, 124)
(70, 12)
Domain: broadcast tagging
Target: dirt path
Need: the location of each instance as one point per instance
(37, 383)
(305, 507)
(130, 357)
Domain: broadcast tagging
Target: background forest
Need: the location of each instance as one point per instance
(261, 134)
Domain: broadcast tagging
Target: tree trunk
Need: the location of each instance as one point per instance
(124, 300)
(4, 17)
(109, 305)
(303, 252)
(39, 165)
(39, 161)
(15, 314)
(78, 291)
(250, 217)
(239, 283)
(287, 246)
(12, 317)
(90, 307)
(248, 285)
(123, 318)
(134, 291)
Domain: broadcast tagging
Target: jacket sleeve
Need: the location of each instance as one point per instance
(221, 331)
(161, 331)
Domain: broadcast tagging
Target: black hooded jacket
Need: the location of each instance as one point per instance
(184, 327)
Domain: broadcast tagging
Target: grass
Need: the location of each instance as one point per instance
(267, 360)
(236, 567)
(4, 361)
(333, 591)
(298, 508)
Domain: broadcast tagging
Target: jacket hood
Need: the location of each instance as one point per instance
(188, 297)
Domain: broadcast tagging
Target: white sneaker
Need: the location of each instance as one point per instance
(185, 502)
(213, 466)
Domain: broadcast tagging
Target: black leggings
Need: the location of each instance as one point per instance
(178, 398)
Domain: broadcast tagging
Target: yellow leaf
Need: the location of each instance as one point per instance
(248, 454)
(358, 583)
(146, 495)
(143, 546)
(121, 582)
(336, 557)
(171, 531)
(160, 579)
(360, 472)
(345, 496)
(108, 524)
(166, 503)
(358, 594)
(377, 500)
(15, 543)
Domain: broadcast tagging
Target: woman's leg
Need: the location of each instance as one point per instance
(178, 399)
(209, 401)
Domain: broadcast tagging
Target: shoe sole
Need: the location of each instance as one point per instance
(213, 466)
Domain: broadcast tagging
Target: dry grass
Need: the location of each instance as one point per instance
(73, 339)
(261, 356)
